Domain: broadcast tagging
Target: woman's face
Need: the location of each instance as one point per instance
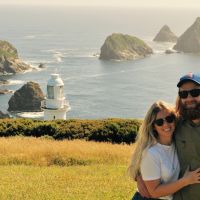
(164, 125)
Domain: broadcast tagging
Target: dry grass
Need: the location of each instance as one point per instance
(43, 152)
(33, 169)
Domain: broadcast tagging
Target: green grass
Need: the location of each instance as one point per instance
(35, 168)
(60, 183)
(120, 42)
(7, 50)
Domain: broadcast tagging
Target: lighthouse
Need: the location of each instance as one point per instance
(55, 105)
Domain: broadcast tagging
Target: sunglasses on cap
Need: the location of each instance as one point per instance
(168, 119)
(184, 94)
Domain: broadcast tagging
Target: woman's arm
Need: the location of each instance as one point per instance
(156, 189)
(142, 187)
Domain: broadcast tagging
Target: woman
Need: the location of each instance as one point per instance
(155, 155)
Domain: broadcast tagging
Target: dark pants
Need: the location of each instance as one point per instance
(137, 196)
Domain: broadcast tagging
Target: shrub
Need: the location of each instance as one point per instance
(107, 130)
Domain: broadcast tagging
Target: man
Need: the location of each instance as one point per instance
(187, 135)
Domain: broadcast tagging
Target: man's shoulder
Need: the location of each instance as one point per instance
(180, 128)
(179, 124)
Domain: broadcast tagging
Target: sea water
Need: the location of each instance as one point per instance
(68, 39)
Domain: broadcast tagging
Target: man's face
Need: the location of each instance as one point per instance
(190, 105)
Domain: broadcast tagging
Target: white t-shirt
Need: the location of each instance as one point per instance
(160, 162)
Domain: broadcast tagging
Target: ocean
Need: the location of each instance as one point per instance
(67, 39)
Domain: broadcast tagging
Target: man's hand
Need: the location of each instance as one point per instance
(142, 187)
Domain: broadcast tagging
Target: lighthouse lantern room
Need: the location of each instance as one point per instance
(55, 105)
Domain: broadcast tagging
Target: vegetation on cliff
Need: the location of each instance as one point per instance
(124, 47)
(9, 60)
(7, 50)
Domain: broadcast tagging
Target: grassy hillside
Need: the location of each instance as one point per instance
(47, 169)
(7, 50)
(124, 47)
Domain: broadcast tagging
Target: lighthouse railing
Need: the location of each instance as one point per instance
(56, 104)
(43, 104)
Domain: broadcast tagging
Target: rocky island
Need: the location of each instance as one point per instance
(27, 99)
(9, 59)
(165, 35)
(189, 41)
(124, 47)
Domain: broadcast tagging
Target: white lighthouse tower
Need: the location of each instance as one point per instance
(55, 105)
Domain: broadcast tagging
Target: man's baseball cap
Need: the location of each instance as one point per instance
(189, 77)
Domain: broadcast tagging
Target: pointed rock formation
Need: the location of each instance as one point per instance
(9, 60)
(165, 35)
(189, 41)
(28, 98)
(124, 47)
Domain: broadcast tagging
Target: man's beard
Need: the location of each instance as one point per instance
(190, 113)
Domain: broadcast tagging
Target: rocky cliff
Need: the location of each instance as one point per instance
(124, 47)
(9, 60)
(165, 35)
(27, 99)
(189, 41)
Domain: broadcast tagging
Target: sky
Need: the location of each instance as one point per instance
(117, 3)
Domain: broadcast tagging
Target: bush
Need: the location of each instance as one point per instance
(107, 130)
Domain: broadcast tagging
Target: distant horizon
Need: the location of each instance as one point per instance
(105, 3)
(101, 6)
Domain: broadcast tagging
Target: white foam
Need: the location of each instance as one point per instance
(27, 71)
(158, 51)
(95, 55)
(160, 47)
(32, 115)
(29, 37)
(35, 63)
(59, 50)
(84, 76)
(58, 56)
(84, 56)
(15, 82)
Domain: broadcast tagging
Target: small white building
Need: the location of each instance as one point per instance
(55, 105)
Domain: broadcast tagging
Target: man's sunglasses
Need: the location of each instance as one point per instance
(184, 94)
(168, 119)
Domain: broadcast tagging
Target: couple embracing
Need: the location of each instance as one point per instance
(166, 158)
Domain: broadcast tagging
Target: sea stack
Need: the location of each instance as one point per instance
(165, 35)
(27, 99)
(189, 41)
(124, 47)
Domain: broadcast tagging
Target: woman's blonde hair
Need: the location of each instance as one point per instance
(147, 136)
